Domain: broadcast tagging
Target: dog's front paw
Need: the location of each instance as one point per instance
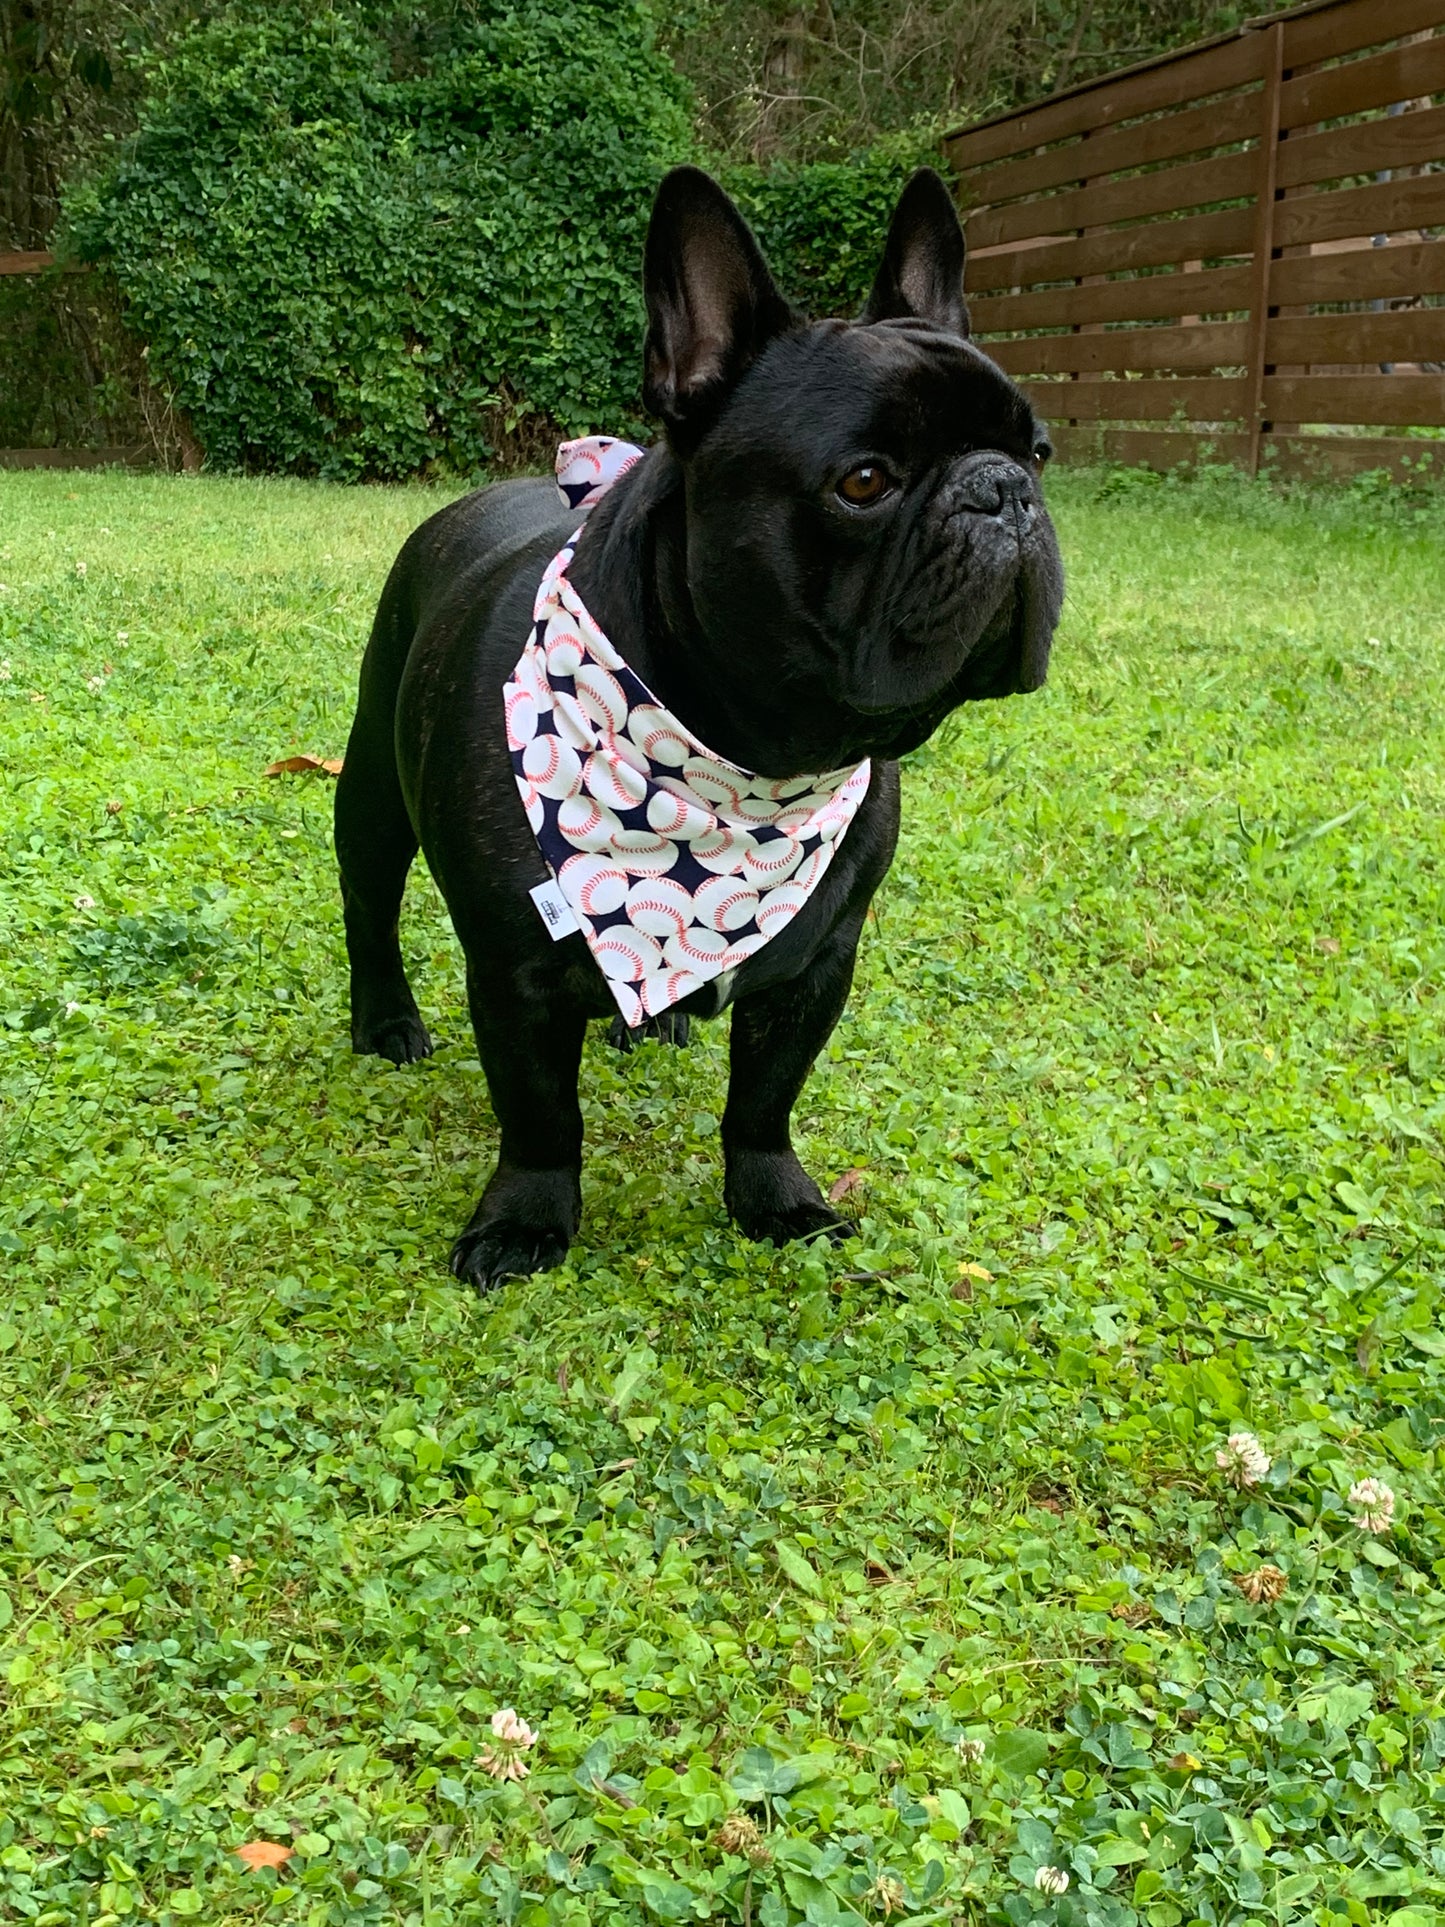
(524, 1223)
(770, 1196)
(799, 1221)
(400, 1040)
(505, 1249)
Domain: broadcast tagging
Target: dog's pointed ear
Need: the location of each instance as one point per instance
(921, 277)
(712, 306)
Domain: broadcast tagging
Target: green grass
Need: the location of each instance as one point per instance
(1147, 1027)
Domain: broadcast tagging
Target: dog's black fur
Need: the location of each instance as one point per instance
(789, 629)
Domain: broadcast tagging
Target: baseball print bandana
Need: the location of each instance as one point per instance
(675, 864)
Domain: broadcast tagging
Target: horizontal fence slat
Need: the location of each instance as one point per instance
(1413, 334)
(26, 261)
(1362, 23)
(1218, 345)
(1395, 401)
(1223, 177)
(1171, 83)
(1160, 448)
(74, 457)
(1399, 140)
(1215, 398)
(1158, 244)
(1363, 274)
(1219, 124)
(1385, 208)
(1318, 456)
(1153, 297)
(1405, 73)
(1335, 456)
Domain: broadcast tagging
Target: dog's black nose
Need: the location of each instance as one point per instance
(993, 485)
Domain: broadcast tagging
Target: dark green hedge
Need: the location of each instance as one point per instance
(355, 251)
(822, 226)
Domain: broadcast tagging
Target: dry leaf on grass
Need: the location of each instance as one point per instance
(299, 765)
(840, 1187)
(967, 1273)
(263, 1853)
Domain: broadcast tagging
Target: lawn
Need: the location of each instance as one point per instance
(835, 1586)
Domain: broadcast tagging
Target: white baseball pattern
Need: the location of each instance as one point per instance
(677, 864)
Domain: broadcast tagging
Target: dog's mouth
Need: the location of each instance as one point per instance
(993, 647)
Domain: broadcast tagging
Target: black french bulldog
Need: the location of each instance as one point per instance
(840, 539)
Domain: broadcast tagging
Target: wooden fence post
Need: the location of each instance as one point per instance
(1263, 239)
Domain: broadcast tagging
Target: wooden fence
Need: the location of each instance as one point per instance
(1235, 248)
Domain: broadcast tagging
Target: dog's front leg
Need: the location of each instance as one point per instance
(776, 1035)
(531, 1050)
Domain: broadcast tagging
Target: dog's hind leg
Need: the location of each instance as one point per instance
(375, 845)
(672, 1027)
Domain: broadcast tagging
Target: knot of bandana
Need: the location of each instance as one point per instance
(676, 864)
(588, 468)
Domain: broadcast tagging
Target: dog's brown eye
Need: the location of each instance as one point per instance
(863, 485)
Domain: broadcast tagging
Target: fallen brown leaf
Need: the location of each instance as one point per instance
(840, 1187)
(1183, 1763)
(966, 1270)
(263, 1853)
(299, 765)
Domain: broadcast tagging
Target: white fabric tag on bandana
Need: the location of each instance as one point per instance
(554, 910)
(675, 864)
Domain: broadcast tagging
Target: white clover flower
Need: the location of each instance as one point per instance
(95, 682)
(71, 1008)
(1242, 1459)
(6, 672)
(970, 1751)
(511, 1730)
(1374, 1504)
(122, 635)
(513, 1736)
(83, 902)
(80, 570)
(1051, 1880)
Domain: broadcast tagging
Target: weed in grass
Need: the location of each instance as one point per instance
(899, 1584)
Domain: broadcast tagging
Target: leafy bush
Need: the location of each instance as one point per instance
(353, 253)
(822, 225)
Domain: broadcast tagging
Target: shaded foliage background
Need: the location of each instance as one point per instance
(368, 239)
(776, 78)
